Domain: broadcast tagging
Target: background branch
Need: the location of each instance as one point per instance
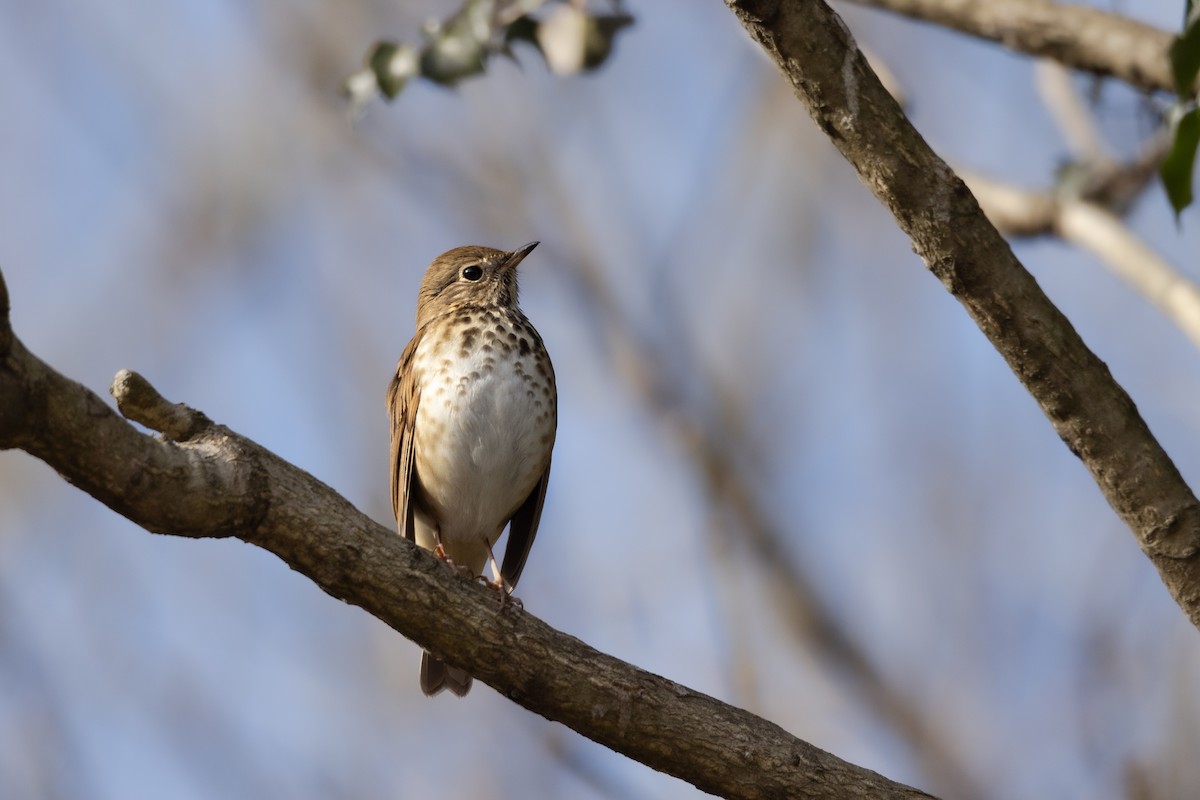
(215, 482)
(1087, 205)
(1076, 36)
(1091, 413)
(712, 447)
(1092, 227)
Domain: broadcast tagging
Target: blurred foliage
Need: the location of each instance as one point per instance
(1184, 118)
(570, 37)
(1185, 50)
(1178, 166)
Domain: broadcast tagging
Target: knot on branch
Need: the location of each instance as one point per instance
(139, 401)
(1176, 536)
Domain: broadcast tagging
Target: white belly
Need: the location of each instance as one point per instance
(484, 430)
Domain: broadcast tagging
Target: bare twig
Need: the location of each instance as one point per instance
(1092, 226)
(1074, 119)
(1110, 239)
(1076, 36)
(1016, 212)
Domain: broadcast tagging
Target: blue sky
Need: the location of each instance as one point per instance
(184, 195)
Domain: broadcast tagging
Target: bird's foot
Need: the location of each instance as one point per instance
(505, 591)
(497, 583)
(461, 569)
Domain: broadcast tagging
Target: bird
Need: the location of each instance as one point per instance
(474, 411)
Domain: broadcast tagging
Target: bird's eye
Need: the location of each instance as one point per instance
(473, 272)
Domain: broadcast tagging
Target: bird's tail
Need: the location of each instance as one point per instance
(437, 675)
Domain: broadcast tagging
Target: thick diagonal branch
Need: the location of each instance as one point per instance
(202, 479)
(1092, 414)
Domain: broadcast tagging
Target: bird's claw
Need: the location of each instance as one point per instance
(461, 569)
(505, 591)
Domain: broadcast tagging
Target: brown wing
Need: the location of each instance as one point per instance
(402, 400)
(522, 529)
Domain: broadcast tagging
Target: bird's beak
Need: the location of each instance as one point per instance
(518, 255)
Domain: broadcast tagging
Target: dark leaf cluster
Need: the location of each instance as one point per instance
(570, 36)
(1184, 116)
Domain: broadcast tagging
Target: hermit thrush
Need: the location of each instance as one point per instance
(474, 408)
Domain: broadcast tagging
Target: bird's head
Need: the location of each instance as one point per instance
(470, 276)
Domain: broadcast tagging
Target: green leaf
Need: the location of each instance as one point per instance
(393, 64)
(459, 47)
(1185, 51)
(1177, 168)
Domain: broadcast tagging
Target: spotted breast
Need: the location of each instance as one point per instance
(484, 429)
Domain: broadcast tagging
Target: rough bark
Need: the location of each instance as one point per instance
(1092, 414)
(201, 479)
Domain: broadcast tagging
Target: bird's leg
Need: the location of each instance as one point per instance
(498, 583)
(498, 580)
(440, 552)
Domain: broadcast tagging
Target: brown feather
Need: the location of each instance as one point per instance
(402, 399)
(522, 529)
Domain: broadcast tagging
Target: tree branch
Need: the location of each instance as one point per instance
(1092, 414)
(202, 479)
(1086, 208)
(807, 616)
(1077, 36)
(1091, 226)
